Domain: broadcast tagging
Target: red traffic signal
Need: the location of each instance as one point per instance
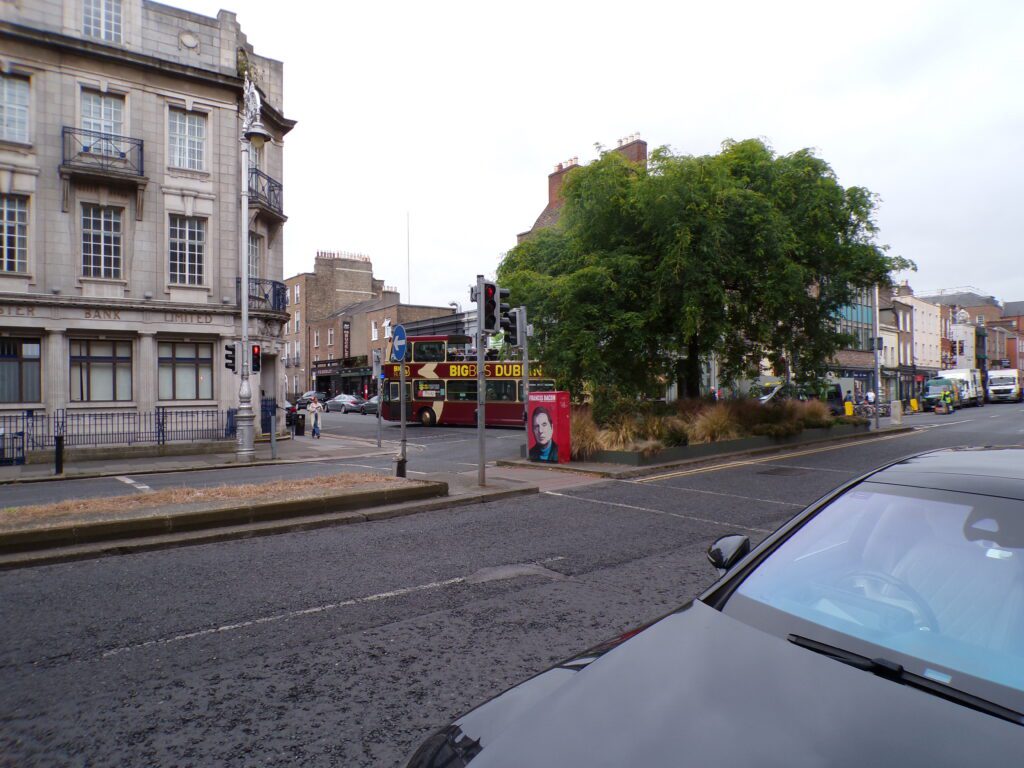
(255, 367)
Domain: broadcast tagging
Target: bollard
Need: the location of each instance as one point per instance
(399, 466)
(896, 412)
(914, 406)
(848, 408)
(58, 455)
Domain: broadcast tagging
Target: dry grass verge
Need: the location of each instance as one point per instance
(277, 490)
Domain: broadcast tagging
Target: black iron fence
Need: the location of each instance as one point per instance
(264, 294)
(266, 189)
(95, 151)
(36, 430)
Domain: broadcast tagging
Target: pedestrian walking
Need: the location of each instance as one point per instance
(314, 409)
(870, 397)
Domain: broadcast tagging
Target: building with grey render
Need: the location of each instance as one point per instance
(120, 174)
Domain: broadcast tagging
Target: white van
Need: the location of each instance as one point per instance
(971, 391)
(1004, 386)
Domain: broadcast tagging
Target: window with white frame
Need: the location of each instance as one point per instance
(330, 337)
(255, 247)
(186, 371)
(101, 370)
(186, 134)
(14, 108)
(373, 330)
(101, 19)
(101, 242)
(13, 233)
(387, 327)
(187, 249)
(298, 351)
(316, 339)
(297, 294)
(298, 320)
(103, 115)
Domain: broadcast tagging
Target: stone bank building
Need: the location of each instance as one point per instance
(120, 182)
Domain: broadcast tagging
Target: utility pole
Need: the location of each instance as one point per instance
(878, 372)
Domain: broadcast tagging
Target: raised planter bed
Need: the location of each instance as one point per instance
(683, 452)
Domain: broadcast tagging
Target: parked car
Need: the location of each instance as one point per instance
(345, 403)
(883, 624)
(303, 401)
(370, 406)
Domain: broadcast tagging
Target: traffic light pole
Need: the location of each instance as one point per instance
(481, 340)
(521, 325)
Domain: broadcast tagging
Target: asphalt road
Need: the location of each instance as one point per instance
(346, 646)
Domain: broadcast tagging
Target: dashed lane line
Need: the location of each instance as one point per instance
(134, 483)
(302, 612)
(694, 518)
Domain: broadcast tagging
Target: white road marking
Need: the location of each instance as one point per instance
(767, 459)
(737, 496)
(134, 483)
(657, 511)
(303, 612)
(947, 424)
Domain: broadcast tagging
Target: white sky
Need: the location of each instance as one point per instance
(456, 112)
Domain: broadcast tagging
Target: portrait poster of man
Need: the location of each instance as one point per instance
(548, 421)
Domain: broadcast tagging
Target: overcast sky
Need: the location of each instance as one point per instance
(454, 113)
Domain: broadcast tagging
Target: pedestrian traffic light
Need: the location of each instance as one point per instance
(229, 357)
(255, 367)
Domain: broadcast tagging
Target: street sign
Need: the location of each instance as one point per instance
(398, 345)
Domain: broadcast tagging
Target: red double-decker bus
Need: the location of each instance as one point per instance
(441, 384)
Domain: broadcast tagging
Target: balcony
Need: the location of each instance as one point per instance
(266, 195)
(264, 295)
(104, 158)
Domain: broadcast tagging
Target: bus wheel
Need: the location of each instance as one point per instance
(427, 417)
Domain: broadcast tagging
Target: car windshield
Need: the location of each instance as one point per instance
(937, 389)
(932, 579)
(1000, 380)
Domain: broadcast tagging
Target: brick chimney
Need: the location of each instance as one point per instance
(555, 180)
(633, 149)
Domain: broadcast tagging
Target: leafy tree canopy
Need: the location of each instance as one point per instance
(746, 253)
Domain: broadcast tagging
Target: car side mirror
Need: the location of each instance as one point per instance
(728, 550)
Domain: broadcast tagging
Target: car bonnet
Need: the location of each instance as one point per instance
(701, 688)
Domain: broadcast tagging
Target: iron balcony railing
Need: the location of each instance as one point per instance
(297, 361)
(269, 295)
(103, 152)
(266, 190)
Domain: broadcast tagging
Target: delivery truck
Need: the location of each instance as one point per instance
(1004, 386)
(971, 390)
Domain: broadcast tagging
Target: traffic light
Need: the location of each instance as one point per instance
(510, 324)
(229, 357)
(490, 318)
(255, 367)
(502, 307)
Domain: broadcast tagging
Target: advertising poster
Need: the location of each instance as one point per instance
(548, 418)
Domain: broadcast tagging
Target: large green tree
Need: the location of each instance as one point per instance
(746, 254)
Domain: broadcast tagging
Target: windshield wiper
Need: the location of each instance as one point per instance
(893, 671)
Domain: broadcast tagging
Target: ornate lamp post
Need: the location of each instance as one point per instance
(253, 135)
